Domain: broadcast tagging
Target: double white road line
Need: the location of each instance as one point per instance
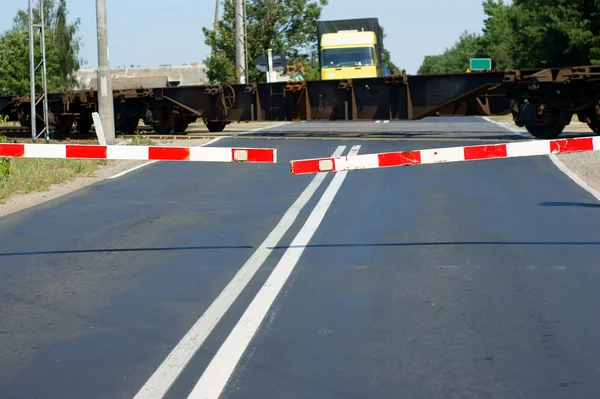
(213, 380)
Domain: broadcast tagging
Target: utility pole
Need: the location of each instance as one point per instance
(105, 92)
(245, 43)
(216, 15)
(240, 41)
(32, 70)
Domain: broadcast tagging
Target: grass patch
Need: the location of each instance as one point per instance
(138, 140)
(28, 175)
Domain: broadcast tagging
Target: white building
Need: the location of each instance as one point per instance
(131, 78)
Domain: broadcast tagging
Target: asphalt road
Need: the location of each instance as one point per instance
(463, 280)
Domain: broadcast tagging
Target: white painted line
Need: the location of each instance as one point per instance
(218, 372)
(507, 127)
(166, 374)
(261, 128)
(132, 169)
(563, 168)
(151, 162)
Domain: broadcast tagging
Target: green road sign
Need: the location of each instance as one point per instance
(480, 64)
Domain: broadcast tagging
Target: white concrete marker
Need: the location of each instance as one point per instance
(166, 374)
(218, 372)
(99, 129)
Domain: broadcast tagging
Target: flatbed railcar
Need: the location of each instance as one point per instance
(542, 100)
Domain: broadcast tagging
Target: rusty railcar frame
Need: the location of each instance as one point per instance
(543, 100)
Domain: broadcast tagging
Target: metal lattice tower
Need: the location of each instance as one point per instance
(33, 68)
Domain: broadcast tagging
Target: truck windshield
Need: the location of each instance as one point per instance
(347, 57)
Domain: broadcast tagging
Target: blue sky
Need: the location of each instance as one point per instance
(152, 32)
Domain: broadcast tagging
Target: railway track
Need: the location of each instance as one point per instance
(144, 132)
(19, 132)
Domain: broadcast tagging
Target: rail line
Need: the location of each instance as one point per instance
(24, 132)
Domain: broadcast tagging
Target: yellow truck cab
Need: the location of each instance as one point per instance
(348, 55)
(350, 49)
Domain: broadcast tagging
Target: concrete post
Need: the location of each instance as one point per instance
(240, 41)
(105, 92)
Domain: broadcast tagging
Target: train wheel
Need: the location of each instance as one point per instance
(215, 127)
(64, 126)
(594, 125)
(593, 119)
(180, 126)
(25, 121)
(552, 128)
(160, 129)
(84, 125)
(127, 125)
(548, 131)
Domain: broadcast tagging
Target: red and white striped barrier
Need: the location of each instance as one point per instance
(144, 153)
(441, 155)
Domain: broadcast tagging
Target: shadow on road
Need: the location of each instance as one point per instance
(93, 251)
(323, 134)
(573, 204)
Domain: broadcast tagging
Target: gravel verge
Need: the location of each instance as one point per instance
(586, 165)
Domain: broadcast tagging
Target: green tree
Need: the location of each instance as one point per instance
(533, 34)
(498, 37)
(455, 59)
(553, 33)
(62, 50)
(288, 27)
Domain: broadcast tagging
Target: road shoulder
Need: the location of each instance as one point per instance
(581, 167)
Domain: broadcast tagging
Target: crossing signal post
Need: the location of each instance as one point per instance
(270, 64)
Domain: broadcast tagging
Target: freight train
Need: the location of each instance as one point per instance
(542, 100)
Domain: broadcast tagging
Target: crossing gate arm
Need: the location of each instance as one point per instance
(443, 155)
(144, 153)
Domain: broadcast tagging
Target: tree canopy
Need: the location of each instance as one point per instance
(527, 34)
(62, 50)
(288, 27)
